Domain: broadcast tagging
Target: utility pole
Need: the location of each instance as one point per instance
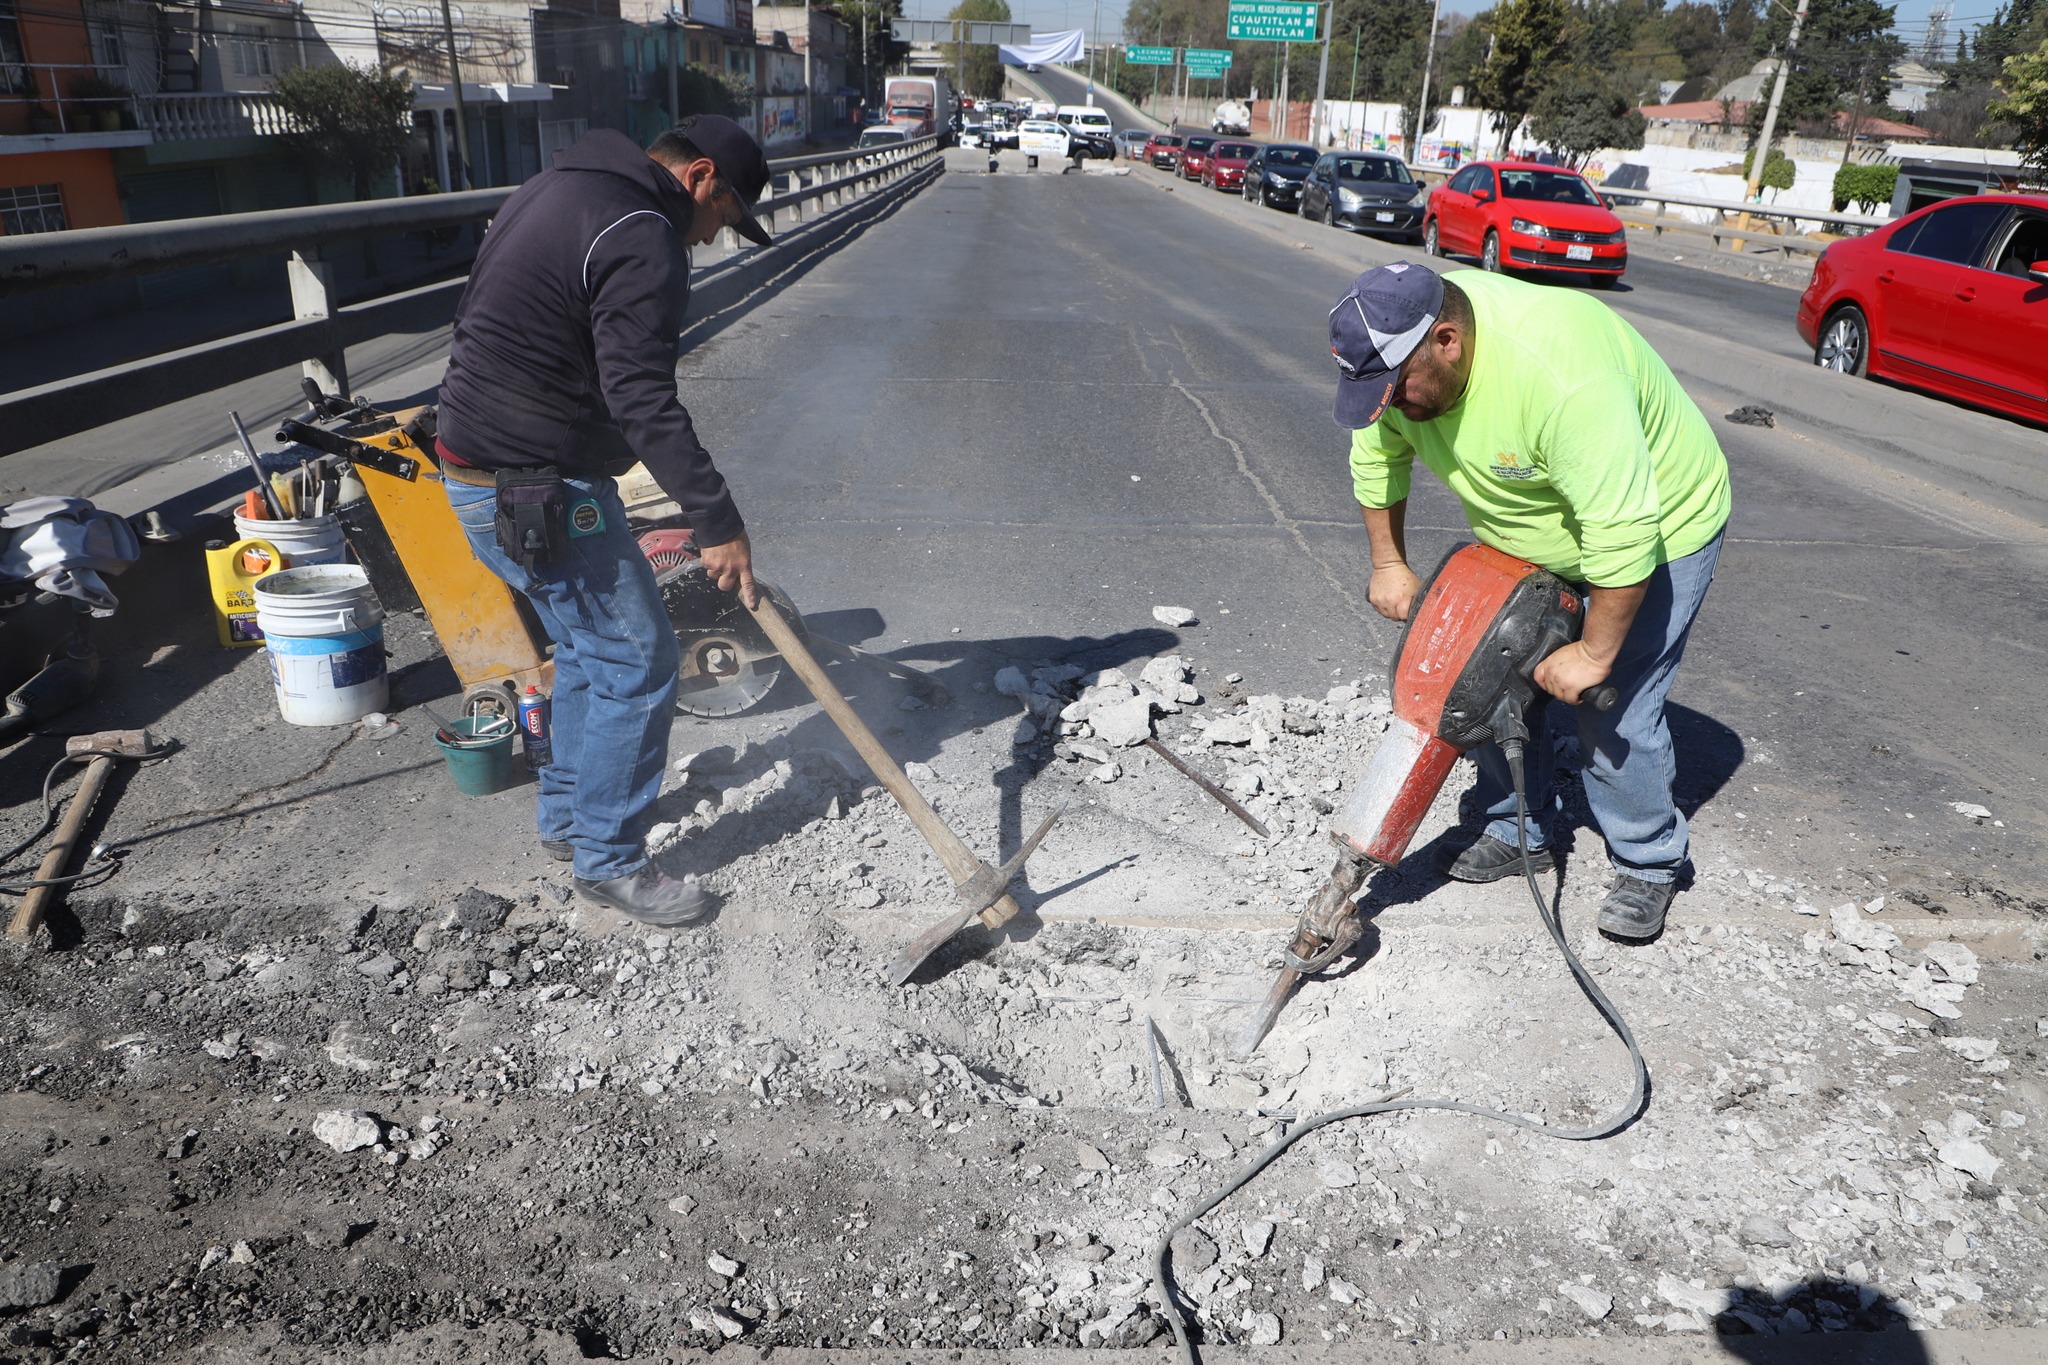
(1280, 110)
(1094, 18)
(1763, 142)
(1422, 105)
(1319, 117)
(675, 111)
(810, 103)
(462, 111)
(1357, 38)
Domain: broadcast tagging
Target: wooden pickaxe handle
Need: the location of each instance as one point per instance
(39, 899)
(958, 859)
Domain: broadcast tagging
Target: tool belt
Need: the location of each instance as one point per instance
(532, 515)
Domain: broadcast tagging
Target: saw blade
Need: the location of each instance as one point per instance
(728, 664)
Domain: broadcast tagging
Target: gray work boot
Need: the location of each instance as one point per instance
(650, 897)
(1487, 859)
(558, 849)
(1634, 909)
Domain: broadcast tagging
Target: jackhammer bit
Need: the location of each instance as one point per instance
(1327, 928)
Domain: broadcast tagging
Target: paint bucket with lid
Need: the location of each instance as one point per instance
(325, 632)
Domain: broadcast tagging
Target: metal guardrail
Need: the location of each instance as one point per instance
(804, 190)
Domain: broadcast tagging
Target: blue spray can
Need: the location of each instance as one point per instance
(533, 725)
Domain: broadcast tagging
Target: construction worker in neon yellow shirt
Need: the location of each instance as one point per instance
(1571, 445)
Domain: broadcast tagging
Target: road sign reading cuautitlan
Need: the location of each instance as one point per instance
(1149, 56)
(1207, 56)
(1273, 21)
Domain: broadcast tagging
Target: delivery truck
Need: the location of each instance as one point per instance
(920, 104)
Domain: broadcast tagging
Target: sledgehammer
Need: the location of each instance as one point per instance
(980, 886)
(104, 747)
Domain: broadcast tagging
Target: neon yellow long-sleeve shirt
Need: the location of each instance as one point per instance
(1573, 446)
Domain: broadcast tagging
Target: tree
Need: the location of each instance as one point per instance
(1847, 46)
(1779, 170)
(1527, 36)
(1581, 112)
(2025, 104)
(354, 117)
(1864, 186)
(981, 73)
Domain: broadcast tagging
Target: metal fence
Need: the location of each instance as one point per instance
(805, 193)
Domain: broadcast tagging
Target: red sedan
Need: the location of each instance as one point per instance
(1953, 298)
(1518, 215)
(1223, 168)
(1194, 155)
(1162, 151)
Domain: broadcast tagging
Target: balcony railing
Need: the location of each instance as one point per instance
(185, 118)
(59, 97)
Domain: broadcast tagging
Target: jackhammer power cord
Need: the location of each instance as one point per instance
(1547, 911)
(100, 852)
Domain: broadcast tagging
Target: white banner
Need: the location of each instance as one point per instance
(1045, 48)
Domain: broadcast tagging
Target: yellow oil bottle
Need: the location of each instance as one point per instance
(232, 568)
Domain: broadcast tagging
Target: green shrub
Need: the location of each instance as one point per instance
(1866, 187)
(1779, 170)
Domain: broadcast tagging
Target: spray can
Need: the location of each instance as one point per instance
(533, 725)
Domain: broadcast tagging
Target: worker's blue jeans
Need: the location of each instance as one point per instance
(616, 664)
(1627, 756)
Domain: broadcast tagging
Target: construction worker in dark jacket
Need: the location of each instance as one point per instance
(561, 375)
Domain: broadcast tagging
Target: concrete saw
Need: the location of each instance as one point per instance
(728, 663)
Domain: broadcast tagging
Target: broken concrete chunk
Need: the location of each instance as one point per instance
(30, 1285)
(1679, 1294)
(1337, 1175)
(1193, 1252)
(1175, 617)
(1343, 1291)
(1090, 1158)
(1258, 1235)
(1971, 1157)
(348, 1130)
(1972, 1049)
(1851, 928)
(1956, 961)
(1264, 1328)
(1594, 1304)
(1123, 723)
(1969, 810)
(1169, 1154)
(1759, 1231)
(1228, 730)
(477, 911)
(723, 1266)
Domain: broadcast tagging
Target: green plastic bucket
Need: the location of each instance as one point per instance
(478, 769)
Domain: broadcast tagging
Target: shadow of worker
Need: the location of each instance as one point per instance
(1825, 1320)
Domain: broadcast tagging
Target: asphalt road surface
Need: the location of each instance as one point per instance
(1026, 408)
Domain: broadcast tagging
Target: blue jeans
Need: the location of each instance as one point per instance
(616, 667)
(1628, 760)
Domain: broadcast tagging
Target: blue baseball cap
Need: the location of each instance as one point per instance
(1378, 324)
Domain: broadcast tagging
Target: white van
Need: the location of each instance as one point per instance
(1091, 129)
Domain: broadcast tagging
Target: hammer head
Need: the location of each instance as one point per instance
(132, 743)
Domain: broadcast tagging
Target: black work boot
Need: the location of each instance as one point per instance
(1634, 909)
(1487, 859)
(650, 898)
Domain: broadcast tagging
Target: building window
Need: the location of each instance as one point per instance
(110, 49)
(31, 208)
(251, 51)
(13, 60)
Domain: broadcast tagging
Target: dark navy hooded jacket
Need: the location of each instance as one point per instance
(564, 351)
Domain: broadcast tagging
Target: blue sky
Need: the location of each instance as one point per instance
(1048, 15)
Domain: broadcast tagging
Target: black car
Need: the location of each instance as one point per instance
(1273, 177)
(1364, 191)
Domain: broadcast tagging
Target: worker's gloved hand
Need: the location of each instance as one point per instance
(1570, 671)
(731, 566)
(1393, 591)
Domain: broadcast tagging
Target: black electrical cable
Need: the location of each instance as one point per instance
(1547, 911)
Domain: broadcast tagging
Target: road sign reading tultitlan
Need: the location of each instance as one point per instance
(1273, 21)
(1149, 56)
(1197, 71)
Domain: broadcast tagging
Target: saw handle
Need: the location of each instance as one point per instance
(958, 859)
(1600, 698)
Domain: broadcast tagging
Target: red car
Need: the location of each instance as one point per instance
(1519, 215)
(1162, 150)
(1223, 168)
(1953, 298)
(1194, 154)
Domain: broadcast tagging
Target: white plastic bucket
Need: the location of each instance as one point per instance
(324, 630)
(314, 540)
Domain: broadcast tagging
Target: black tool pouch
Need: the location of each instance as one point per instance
(531, 506)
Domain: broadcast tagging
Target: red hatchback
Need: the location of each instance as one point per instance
(1953, 298)
(1161, 150)
(1519, 215)
(1223, 168)
(1194, 155)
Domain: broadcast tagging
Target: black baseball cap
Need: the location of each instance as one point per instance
(1378, 324)
(741, 164)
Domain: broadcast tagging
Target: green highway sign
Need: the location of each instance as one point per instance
(1201, 72)
(1273, 21)
(1149, 56)
(1207, 56)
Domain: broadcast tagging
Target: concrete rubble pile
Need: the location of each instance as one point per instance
(535, 1115)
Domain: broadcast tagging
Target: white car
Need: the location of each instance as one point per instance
(1042, 137)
